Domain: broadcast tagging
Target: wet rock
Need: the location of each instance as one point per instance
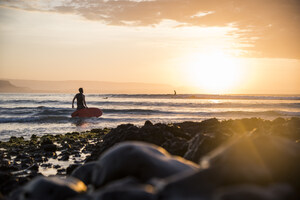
(45, 141)
(51, 188)
(56, 166)
(85, 172)
(49, 147)
(14, 139)
(230, 160)
(61, 171)
(9, 184)
(146, 162)
(4, 177)
(159, 134)
(26, 162)
(29, 172)
(47, 155)
(77, 155)
(5, 165)
(38, 158)
(201, 144)
(255, 192)
(46, 165)
(249, 159)
(286, 128)
(66, 146)
(101, 131)
(33, 137)
(34, 167)
(10, 181)
(191, 128)
(242, 126)
(194, 149)
(21, 156)
(64, 157)
(127, 188)
(268, 158)
(71, 168)
(24, 166)
(148, 123)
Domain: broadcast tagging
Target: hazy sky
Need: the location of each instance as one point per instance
(215, 46)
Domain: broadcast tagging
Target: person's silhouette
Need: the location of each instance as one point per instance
(80, 98)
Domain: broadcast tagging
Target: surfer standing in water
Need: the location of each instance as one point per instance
(80, 100)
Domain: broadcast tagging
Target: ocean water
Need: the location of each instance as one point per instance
(27, 114)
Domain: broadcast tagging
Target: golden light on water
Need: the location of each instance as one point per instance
(214, 72)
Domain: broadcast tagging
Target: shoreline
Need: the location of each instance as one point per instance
(49, 155)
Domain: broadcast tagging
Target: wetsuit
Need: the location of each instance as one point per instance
(79, 97)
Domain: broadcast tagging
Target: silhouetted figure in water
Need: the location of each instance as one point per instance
(80, 98)
(175, 92)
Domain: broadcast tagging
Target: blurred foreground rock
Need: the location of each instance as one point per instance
(233, 159)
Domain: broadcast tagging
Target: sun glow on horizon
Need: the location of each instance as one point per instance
(213, 72)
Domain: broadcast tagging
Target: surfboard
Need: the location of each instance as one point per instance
(87, 112)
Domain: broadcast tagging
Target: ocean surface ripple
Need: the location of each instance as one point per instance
(27, 114)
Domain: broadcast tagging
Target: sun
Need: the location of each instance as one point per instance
(213, 72)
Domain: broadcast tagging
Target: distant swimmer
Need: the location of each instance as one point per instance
(80, 100)
(175, 92)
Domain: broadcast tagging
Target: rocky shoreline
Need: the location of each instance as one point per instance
(210, 145)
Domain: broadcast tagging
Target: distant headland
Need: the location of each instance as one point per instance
(71, 86)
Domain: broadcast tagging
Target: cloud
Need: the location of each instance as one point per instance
(268, 28)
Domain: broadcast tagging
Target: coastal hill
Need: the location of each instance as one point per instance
(90, 87)
(6, 86)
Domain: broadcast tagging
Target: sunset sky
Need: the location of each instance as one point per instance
(212, 46)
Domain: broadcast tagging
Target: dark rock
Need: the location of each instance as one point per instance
(202, 144)
(56, 166)
(148, 123)
(209, 124)
(175, 147)
(124, 189)
(24, 165)
(46, 141)
(97, 131)
(159, 134)
(51, 188)
(146, 162)
(254, 192)
(9, 184)
(46, 165)
(194, 149)
(61, 171)
(191, 128)
(38, 158)
(34, 167)
(260, 160)
(14, 139)
(5, 165)
(33, 137)
(278, 121)
(242, 126)
(233, 164)
(22, 156)
(84, 172)
(4, 176)
(77, 155)
(49, 147)
(71, 168)
(64, 157)
(66, 146)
